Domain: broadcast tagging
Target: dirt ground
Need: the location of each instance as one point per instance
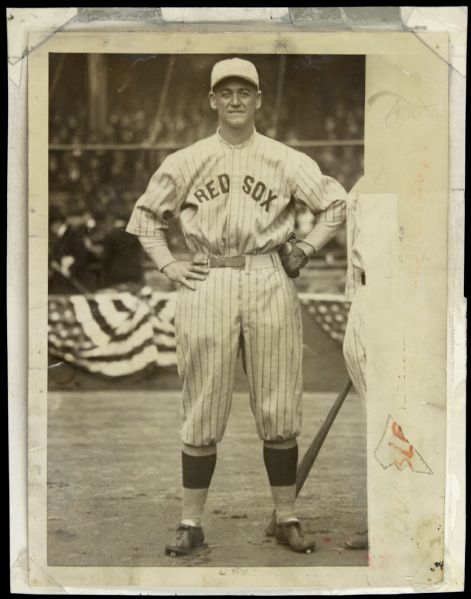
(114, 484)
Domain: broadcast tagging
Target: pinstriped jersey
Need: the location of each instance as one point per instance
(235, 200)
(372, 234)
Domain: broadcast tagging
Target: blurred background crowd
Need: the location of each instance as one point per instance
(114, 118)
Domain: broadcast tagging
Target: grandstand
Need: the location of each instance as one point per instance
(114, 118)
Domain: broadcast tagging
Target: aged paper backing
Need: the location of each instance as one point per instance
(406, 154)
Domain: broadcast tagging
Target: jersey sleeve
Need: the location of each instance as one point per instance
(353, 278)
(324, 196)
(160, 201)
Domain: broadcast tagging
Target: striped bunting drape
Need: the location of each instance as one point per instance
(330, 311)
(115, 333)
(119, 333)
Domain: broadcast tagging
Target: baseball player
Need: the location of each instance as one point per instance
(354, 342)
(235, 194)
(371, 238)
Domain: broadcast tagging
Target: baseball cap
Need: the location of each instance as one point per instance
(234, 67)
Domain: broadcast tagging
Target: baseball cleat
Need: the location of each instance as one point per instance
(292, 535)
(187, 539)
(358, 541)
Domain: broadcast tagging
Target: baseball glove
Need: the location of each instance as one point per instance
(292, 257)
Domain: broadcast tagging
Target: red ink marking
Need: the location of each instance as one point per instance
(397, 431)
(407, 453)
(326, 539)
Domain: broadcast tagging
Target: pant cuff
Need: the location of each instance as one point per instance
(286, 444)
(199, 451)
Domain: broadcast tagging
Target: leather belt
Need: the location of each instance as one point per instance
(245, 262)
(226, 261)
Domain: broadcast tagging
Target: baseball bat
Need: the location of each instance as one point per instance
(312, 451)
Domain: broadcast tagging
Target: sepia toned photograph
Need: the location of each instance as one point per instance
(240, 248)
(176, 182)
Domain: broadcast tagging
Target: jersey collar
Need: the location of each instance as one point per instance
(247, 142)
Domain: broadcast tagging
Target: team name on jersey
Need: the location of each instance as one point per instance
(257, 190)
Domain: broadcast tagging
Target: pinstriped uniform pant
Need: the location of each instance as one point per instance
(354, 349)
(256, 313)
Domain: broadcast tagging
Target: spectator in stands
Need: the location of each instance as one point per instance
(68, 256)
(123, 258)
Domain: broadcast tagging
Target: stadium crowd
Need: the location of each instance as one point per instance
(184, 122)
(93, 190)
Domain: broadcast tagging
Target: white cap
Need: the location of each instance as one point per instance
(234, 67)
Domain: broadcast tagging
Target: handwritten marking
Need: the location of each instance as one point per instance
(394, 449)
(403, 110)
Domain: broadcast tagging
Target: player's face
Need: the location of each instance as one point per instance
(236, 102)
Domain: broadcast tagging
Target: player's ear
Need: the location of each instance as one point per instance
(212, 100)
(258, 100)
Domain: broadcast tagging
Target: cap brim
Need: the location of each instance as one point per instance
(251, 81)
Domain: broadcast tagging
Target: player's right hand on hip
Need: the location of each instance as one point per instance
(185, 272)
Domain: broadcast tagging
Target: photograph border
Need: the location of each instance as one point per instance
(395, 48)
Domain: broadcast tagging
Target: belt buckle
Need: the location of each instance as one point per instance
(200, 259)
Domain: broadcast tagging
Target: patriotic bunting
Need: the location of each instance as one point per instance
(118, 333)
